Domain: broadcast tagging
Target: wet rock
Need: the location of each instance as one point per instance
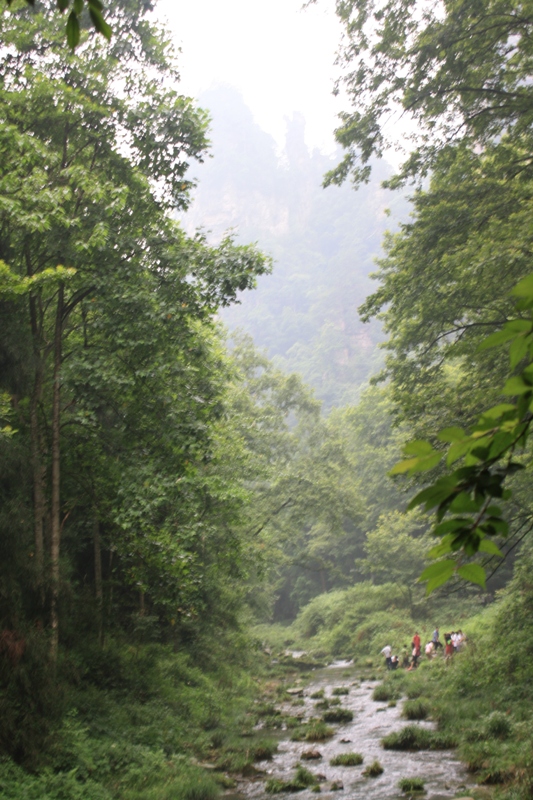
(311, 755)
(295, 692)
(345, 741)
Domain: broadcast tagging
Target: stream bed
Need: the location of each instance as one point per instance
(440, 770)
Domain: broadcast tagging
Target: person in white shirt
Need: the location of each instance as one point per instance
(387, 651)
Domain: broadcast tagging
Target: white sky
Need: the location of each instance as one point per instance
(279, 56)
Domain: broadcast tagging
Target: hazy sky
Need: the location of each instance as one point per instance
(279, 56)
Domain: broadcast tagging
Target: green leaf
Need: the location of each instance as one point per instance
(99, 22)
(434, 495)
(488, 546)
(451, 525)
(524, 288)
(451, 435)
(495, 339)
(425, 464)
(516, 385)
(457, 450)
(73, 30)
(497, 412)
(437, 574)
(403, 466)
(418, 448)
(464, 504)
(518, 350)
(473, 573)
(78, 6)
(441, 549)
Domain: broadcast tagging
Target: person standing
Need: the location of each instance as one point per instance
(435, 639)
(387, 652)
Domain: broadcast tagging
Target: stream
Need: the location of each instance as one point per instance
(442, 773)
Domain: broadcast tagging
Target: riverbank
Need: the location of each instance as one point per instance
(481, 700)
(335, 744)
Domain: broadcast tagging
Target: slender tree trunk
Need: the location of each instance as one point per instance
(38, 468)
(55, 533)
(39, 504)
(98, 586)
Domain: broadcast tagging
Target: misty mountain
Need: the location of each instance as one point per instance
(324, 243)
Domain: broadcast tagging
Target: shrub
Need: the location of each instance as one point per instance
(338, 715)
(347, 760)
(415, 709)
(411, 785)
(373, 770)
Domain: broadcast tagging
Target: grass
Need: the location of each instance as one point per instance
(374, 770)
(318, 695)
(413, 737)
(315, 730)
(340, 690)
(338, 715)
(346, 760)
(383, 693)
(411, 785)
(302, 779)
(264, 751)
(415, 709)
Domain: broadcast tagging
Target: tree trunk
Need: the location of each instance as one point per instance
(98, 586)
(38, 468)
(55, 533)
(39, 504)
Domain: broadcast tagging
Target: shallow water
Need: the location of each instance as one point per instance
(441, 772)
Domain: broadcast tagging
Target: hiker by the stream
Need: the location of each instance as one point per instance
(415, 644)
(449, 650)
(387, 652)
(435, 639)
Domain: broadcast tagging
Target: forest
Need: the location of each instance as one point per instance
(264, 415)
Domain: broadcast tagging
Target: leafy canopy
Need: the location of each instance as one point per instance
(466, 500)
(76, 8)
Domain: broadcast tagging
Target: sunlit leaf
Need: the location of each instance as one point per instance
(451, 435)
(437, 574)
(473, 573)
(488, 546)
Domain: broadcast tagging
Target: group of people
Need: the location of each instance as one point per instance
(453, 642)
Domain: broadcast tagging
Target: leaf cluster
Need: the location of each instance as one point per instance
(464, 500)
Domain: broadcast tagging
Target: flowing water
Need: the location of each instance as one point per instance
(440, 770)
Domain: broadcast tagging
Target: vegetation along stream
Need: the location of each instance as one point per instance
(352, 758)
(252, 421)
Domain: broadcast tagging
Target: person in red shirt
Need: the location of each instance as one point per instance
(416, 643)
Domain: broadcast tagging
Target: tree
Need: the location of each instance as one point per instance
(468, 519)
(462, 71)
(96, 14)
(130, 314)
(459, 70)
(396, 551)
